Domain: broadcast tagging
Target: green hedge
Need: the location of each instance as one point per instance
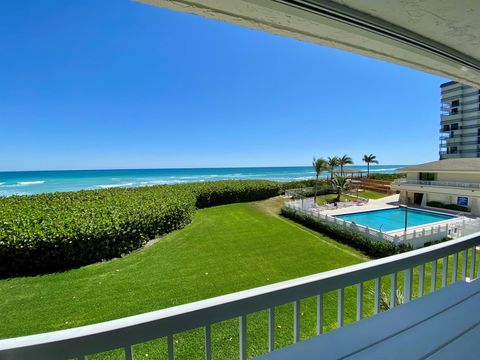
(215, 193)
(441, 205)
(372, 248)
(58, 231)
(387, 176)
(51, 232)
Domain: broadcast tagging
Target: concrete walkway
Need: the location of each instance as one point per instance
(383, 203)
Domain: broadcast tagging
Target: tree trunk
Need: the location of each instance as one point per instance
(315, 196)
(368, 169)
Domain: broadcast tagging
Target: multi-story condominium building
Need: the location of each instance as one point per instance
(460, 121)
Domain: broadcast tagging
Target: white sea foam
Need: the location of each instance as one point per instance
(107, 186)
(24, 183)
(381, 170)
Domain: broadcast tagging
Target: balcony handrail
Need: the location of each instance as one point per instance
(437, 183)
(125, 332)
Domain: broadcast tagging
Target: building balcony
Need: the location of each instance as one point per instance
(451, 184)
(419, 313)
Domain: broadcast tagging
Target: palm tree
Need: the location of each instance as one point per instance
(340, 184)
(369, 159)
(332, 163)
(319, 165)
(344, 160)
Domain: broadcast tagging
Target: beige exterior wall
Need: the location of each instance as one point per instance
(453, 177)
(431, 195)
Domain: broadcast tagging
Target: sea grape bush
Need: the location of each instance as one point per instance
(50, 232)
(215, 193)
(58, 231)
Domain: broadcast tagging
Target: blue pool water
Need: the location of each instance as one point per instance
(394, 219)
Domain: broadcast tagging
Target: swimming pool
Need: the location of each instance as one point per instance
(394, 219)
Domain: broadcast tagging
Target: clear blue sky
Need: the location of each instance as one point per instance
(118, 84)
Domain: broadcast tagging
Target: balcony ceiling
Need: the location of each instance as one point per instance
(441, 37)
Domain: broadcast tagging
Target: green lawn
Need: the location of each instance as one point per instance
(370, 194)
(226, 249)
(329, 198)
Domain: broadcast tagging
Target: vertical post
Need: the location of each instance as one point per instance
(455, 267)
(359, 301)
(434, 276)
(340, 307)
(407, 291)
(377, 294)
(473, 254)
(444, 271)
(319, 314)
(208, 342)
(128, 352)
(296, 321)
(393, 290)
(271, 329)
(243, 337)
(421, 281)
(464, 264)
(170, 347)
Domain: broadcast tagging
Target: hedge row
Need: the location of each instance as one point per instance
(372, 248)
(58, 231)
(215, 193)
(439, 204)
(389, 177)
(51, 232)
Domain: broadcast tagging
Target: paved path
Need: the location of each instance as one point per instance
(383, 203)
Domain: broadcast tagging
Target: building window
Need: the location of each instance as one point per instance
(454, 111)
(455, 103)
(454, 126)
(453, 150)
(447, 128)
(427, 176)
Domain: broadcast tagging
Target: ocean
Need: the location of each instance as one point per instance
(37, 182)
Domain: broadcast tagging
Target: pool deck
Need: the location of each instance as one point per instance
(387, 202)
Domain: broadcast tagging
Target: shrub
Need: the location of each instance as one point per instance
(441, 205)
(437, 204)
(58, 231)
(457, 207)
(215, 193)
(388, 177)
(299, 184)
(51, 232)
(372, 248)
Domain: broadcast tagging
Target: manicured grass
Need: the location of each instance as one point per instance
(370, 194)
(226, 249)
(329, 198)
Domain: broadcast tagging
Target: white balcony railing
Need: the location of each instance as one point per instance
(456, 184)
(124, 333)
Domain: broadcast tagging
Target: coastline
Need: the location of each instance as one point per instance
(38, 182)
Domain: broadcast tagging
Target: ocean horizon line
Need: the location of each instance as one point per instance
(32, 182)
(189, 168)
